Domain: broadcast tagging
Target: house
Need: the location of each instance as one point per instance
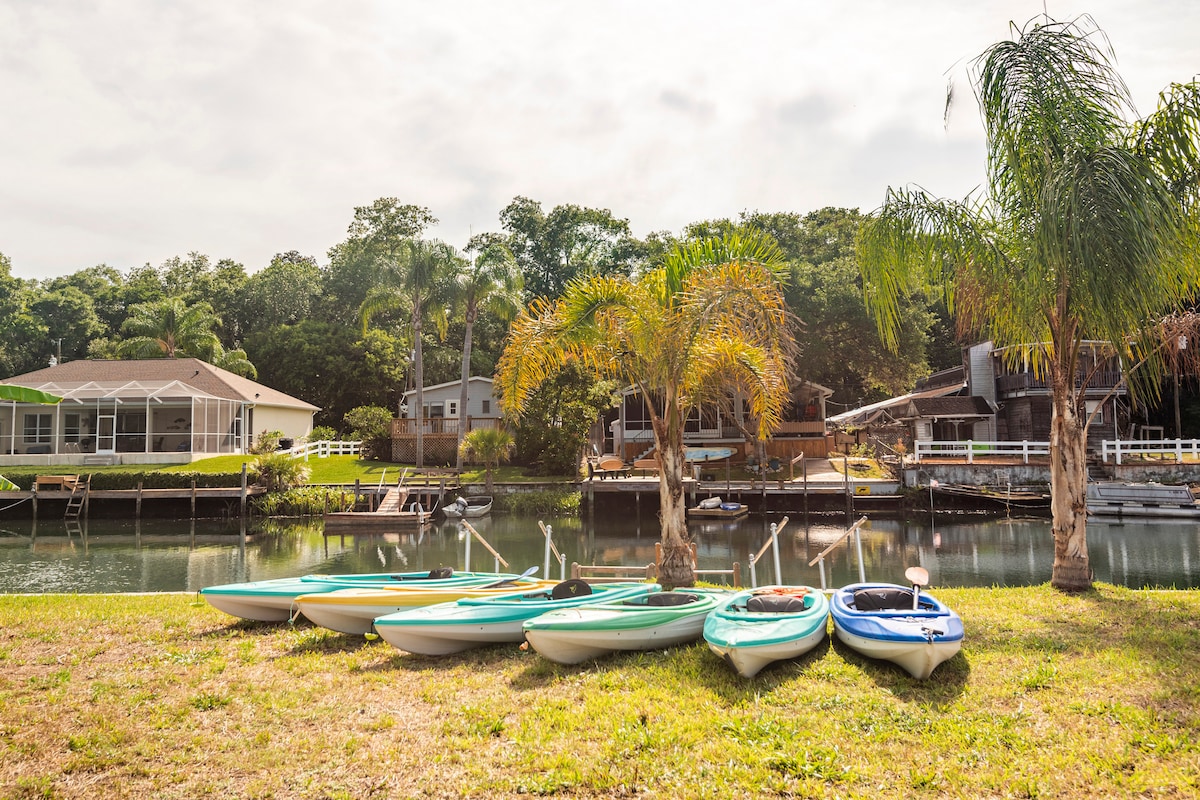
(439, 419)
(157, 410)
(802, 430)
(995, 396)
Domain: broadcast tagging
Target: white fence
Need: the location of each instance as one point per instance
(325, 448)
(1110, 450)
(970, 450)
(1158, 448)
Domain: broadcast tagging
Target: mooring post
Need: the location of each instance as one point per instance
(137, 513)
(242, 509)
(193, 498)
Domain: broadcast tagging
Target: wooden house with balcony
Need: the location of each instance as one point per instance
(628, 432)
(438, 420)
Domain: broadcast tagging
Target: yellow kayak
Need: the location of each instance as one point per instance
(355, 610)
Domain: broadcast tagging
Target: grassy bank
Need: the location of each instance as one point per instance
(161, 696)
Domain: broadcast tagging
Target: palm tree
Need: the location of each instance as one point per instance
(710, 322)
(1088, 231)
(493, 282)
(489, 445)
(417, 282)
(170, 328)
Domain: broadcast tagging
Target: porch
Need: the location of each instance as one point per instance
(439, 437)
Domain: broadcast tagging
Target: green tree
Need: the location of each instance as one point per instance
(19, 326)
(492, 280)
(417, 282)
(371, 425)
(569, 242)
(285, 292)
(1088, 231)
(170, 328)
(490, 446)
(709, 322)
(557, 417)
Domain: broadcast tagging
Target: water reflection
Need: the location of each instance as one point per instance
(131, 556)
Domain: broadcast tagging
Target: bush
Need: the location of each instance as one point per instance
(549, 501)
(371, 425)
(323, 433)
(279, 471)
(267, 442)
(307, 501)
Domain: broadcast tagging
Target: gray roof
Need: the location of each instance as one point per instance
(147, 375)
(948, 407)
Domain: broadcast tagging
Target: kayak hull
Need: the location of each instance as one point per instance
(757, 627)
(916, 640)
(447, 628)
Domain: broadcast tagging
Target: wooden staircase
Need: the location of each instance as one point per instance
(393, 500)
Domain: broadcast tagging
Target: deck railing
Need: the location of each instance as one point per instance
(1175, 449)
(970, 450)
(325, 448)
(403, 426)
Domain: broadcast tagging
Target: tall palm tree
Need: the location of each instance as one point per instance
(1088, 231)
(170, 328)
(708, 323)
(493, 282)
(417, 282)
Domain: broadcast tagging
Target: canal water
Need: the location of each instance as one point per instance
(153, 556)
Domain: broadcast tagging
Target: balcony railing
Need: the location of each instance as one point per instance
(1026, 380)
(434, 426)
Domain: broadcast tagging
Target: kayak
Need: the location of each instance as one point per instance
(878, 620)
(659, 619)
(755, 627)
(274, 600)
(355, 610)
(474, 621)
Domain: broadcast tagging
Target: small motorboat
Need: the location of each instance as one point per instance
(474, 621)
(355, 610)
(755, 627)
(274, 600)
(715, 508)
(656, 620)
(468, 507)
(897, 624)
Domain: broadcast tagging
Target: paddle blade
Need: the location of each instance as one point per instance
(917, 575)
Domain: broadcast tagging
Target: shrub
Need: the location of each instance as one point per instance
(307, 501)
(371, 425)
(323, 433)
(267, 442)
(549, 501)
(279, 471)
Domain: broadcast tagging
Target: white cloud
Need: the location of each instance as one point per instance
(134, 130)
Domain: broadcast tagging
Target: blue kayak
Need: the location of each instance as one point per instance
(879, 621)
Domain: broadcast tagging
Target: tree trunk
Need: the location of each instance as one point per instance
(676, 567)
(419, 379)
(462, 394)
(1068, 491)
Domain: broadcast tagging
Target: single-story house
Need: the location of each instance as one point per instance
(157, 410)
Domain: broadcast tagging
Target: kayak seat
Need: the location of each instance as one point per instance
(441, 572)
(775, 604)
(883, 599)
(570, 588)
(670, 599)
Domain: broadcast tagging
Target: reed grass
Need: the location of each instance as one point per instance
(1096, 695)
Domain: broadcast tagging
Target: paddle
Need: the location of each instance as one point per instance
(918, 577)
(511, 581)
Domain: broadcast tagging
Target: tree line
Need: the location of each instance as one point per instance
(344, 331)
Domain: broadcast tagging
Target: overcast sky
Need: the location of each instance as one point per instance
(136, 130)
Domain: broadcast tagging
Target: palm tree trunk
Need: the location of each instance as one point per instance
(675, 568)
(1072, 570)
(419, 379)
(462, 395)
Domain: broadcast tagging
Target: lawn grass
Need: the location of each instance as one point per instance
(329, 470)
(1096, 695)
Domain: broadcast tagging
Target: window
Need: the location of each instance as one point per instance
(487, 407)
(435, 410)
(451, 408)
(37, 428)
(71, 428)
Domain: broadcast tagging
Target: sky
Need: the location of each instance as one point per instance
(132, 131)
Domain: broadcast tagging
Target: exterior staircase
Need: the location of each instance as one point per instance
(77, 502)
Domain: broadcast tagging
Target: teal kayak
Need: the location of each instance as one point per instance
(453, 627)
(755, 627)
(272, 600)
(657, 620)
